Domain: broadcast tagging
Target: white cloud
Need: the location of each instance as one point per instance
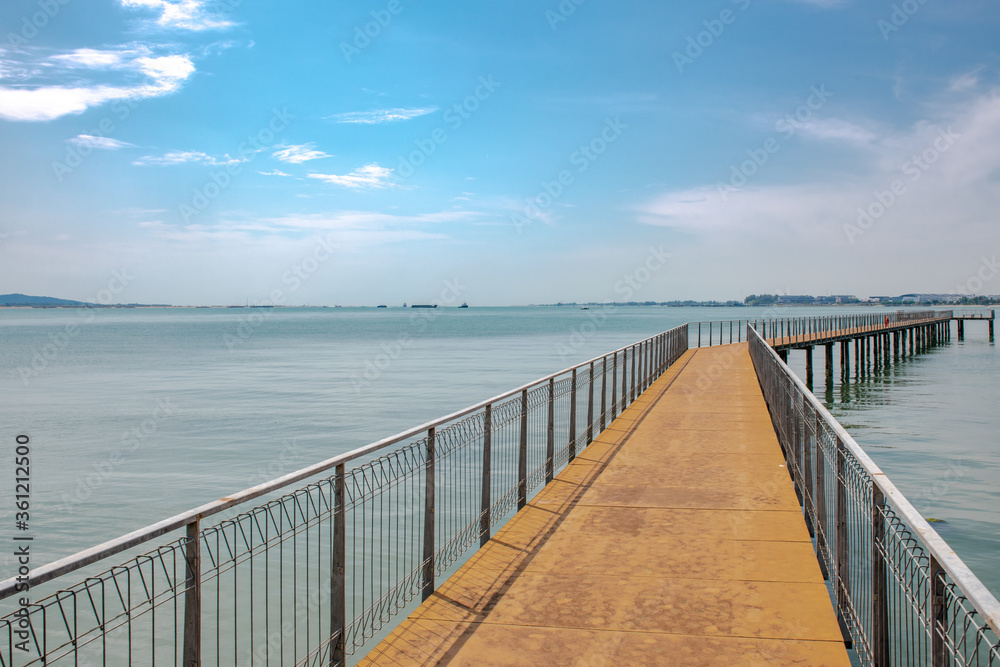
(89, 58)
(102, 143)
(186, 157)
(370, 176)
(946, 171)
(151, 76)
(379, 116)
(181, 14)
(273, 172)
(297, 154)
(835, 129)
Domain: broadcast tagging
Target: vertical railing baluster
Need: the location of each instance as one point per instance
(485, 502)
(429, 516)
(807, 492)
(192, 596)
(338, 576)
(822, 544)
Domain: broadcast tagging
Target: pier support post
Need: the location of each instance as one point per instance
(857, 355)
(991, 329)
(809, 367)
(829, 361)
(784, 355)
(961, 329)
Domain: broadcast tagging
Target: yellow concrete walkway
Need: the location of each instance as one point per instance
(674, 539)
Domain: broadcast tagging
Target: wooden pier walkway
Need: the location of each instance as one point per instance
(674, 539)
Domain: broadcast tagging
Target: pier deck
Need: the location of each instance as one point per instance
(674, 538)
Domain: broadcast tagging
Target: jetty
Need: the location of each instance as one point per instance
(682, 500)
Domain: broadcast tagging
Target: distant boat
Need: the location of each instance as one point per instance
(382, 306)
(464, 305)
(584, 308)
(423, 305)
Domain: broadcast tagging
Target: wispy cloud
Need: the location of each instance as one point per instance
(380, 115)
(143, 75)
(186, 157)
(942, 168)
(181, 14)
(297, 154)
(90, 58)
(273, 172)
(370, 176)
(835, 129)
(102, 143)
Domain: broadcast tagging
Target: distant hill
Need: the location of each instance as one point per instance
(25, 300)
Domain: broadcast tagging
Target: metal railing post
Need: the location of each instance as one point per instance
(822, 545)
(338, 577)
(522, 455)
(938, 614)
(807, 477)
(429, 521)
(843, 583)
(572, 417)
(699, 334)
(880, 588)
(590, 406)
(604, 393)
(550, 439)
(632, 395)
(487, 483)
(614, 386)
(192, 596)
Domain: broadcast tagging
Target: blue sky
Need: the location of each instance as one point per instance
(205, 152)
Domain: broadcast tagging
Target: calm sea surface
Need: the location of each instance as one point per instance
(136, 415)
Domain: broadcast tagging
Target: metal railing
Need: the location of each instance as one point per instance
(902, 595)
(801, 329)
(313, 576)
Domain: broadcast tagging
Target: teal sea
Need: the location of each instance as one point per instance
(137, 414)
